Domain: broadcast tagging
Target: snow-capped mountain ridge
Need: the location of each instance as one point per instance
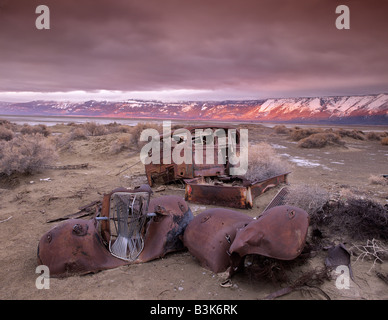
(371, 108)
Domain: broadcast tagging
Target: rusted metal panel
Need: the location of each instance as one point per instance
(75, 247)
(197, 191)
(79, 246)
(259, 187)
(169, 172)
(239, 193)
(279, 233)
(210, 234)
(164, 231)
(221, 238)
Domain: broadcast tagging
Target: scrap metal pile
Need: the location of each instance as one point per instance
(131, 226)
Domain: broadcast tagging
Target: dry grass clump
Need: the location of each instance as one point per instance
(297, 133)
(309, 197)
(123, 142)
(373, 136)
(264, 163)
(36, 129)
(6, 134)
(8, 125)
(78, 133)
(139, 128)
(85, 130)
(320, 140)
(378, 180)
(25, 154)
(131, 136)
(358, 217)
(384, 141)
(115, 127)
(261, 268)
(354, 134)
(281, 129)
(94, 129)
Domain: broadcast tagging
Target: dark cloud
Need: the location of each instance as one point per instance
(259, 48)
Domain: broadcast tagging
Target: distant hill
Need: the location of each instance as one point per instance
(368, 109)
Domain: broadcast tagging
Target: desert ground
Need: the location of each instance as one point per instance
(29, 201)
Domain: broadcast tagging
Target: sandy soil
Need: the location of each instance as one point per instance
(29, 201)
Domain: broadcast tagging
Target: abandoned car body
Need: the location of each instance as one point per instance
(209, 153)
(221, 238)
(234, 192)
(200, 151)
(131, 228)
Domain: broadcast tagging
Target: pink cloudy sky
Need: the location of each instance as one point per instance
(191, 49)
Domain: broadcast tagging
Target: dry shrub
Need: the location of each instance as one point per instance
(61, 141)
(261, 268)
(354, 134)
(123, 142)
(94, 129)
(309, 197)
(37, 129)
(360, 218)
(78, 133)
(6, 134)
(8, 125)
(378, 180)
(355, 216)
(320, 140)
(384, 141)
(115, 127)
(373, 136)
(264, 163)
(25, 154)
(281, 129)
(372, 250)
(297, 133)
(139, 128)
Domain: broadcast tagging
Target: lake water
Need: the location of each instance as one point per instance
(53, 120)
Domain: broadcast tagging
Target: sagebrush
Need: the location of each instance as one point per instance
(264, 163)
(320, 140)
(25, 154)
(310, 197)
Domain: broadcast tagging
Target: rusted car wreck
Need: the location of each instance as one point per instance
(221, 238)
(129, 227)
(202, 142)
(207, 169)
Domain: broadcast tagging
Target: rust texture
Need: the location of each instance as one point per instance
(74, 247)
(78, 246)
(221, 238)
(164, 231)
(169, 172)
(279, 233)
(240, 193)
(210, 234)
